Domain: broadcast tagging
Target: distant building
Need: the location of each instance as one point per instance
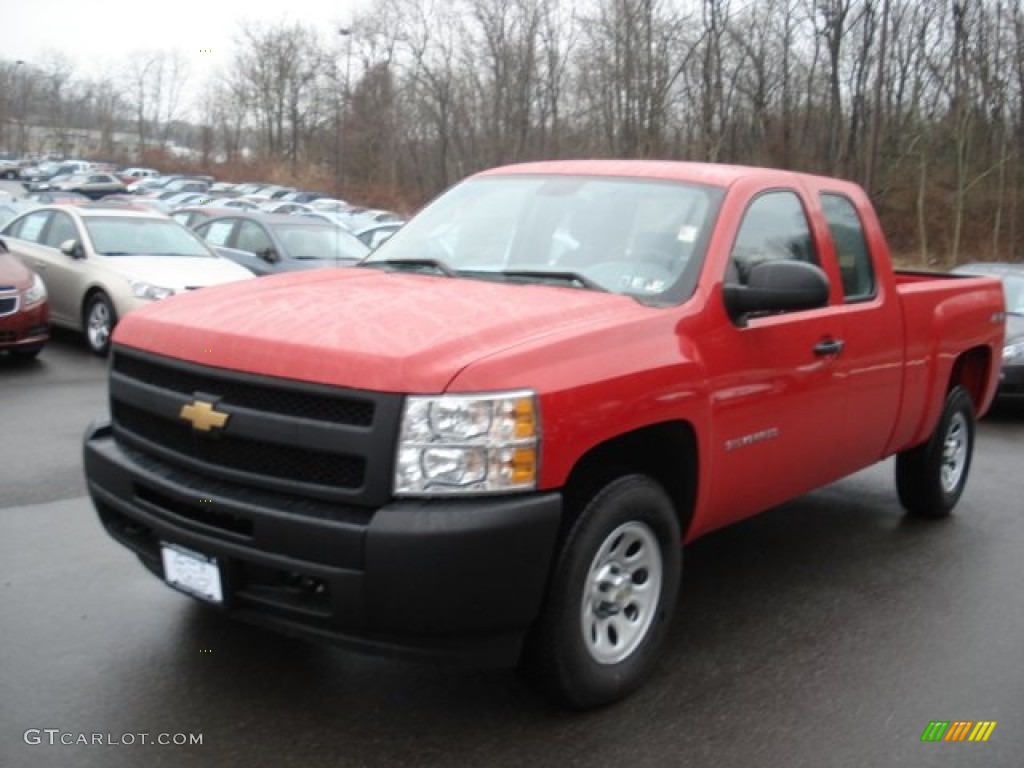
(42, 140)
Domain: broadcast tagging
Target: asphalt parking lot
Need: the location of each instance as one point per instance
(828, 632)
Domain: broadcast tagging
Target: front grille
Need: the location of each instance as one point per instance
(261, 397)
(8, 305)
(306, 440)
(267, 459)
(7, 337)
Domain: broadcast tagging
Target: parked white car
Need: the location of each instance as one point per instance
(100, 263)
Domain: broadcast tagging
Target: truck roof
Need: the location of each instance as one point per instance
(715, 174)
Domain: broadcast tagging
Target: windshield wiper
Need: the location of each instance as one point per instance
(325, 258)
(412, 264)
(573, 278)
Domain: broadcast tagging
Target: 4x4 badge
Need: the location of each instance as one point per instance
(202, 416)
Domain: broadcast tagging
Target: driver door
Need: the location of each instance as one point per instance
(777, 398)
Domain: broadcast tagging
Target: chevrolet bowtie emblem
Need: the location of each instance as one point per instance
(202, 416)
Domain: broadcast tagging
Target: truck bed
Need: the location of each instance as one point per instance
(943, 314)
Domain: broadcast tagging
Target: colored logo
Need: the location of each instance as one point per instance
(958, 730)
(202, 416)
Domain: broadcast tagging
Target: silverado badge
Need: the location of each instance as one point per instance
(202, 416)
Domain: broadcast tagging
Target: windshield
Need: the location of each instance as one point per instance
(129, 236)
(313, 241)
(636, 237)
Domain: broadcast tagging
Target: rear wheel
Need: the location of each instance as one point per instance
(100, 320)
(612, 595)
(931, 477)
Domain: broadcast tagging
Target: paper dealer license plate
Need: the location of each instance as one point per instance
(192, 572)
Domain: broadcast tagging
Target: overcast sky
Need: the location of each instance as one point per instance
(98, 35)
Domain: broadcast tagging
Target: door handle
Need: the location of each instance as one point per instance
(829, 347)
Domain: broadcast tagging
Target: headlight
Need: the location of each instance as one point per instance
(144, 290)
(456, 444)
(35, 293)
(1013, 351)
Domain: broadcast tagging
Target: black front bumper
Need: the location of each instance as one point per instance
(455, 579)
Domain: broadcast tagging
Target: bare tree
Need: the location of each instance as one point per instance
(155, 82)
(277, 69)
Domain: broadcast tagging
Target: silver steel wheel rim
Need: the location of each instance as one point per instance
(621, 593)
(954, 453)
(99, 325)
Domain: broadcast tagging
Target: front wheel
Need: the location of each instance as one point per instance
(931, 477)
(100, 319)
(612, 595)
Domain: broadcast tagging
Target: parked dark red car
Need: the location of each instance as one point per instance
(24, 308)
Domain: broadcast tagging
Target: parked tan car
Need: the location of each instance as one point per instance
(98, 263)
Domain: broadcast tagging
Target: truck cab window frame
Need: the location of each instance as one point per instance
(774, 227)
(851, 247)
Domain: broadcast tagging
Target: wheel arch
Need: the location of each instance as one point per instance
(972, 370)
(665, 451)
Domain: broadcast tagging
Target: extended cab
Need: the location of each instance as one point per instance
(491, 438)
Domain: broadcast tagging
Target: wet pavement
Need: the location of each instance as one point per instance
(828, 632)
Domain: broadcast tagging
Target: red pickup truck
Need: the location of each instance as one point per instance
(490, 439)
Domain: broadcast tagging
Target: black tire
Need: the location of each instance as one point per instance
(931, 477)
(98, 321)
(584, 653)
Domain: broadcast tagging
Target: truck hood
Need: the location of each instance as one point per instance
(363, 328)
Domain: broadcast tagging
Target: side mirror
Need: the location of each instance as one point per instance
(72, 248)
(269, 255)
(776, 286)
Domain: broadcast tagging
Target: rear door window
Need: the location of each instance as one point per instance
(30, 227)
(851, 246)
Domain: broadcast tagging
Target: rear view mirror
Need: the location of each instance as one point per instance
(270, 255)
(777, 286)
(72, 248)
